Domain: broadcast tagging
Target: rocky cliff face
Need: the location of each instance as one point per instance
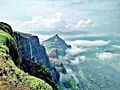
(56, 43)
(25, 51)
(34, 56)
(56, 47)
(30, 48)
(11, 77)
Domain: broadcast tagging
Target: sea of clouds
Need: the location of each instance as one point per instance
(87, 52)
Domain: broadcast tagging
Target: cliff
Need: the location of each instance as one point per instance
(56, 47)
(25, 64)
(33, 53)
(56, 43)
(16, 57)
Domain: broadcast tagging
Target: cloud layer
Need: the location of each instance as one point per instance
(71, 16)
(116, 46)
(107, 56)
(57, 21)
(79, 24)
(75, 50)
(39, 22)
(88, 43)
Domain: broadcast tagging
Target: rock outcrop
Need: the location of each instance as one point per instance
(11, 77)
(34, 58)
(56, 47)
(56, 43)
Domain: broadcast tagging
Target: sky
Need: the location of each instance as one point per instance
(76, 18)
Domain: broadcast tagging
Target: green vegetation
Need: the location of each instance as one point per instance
(11, 77)
(38, 70)
(61, 86)
(4, 49)
(5, 36)
(69, 82)
(17, 75)
(8, 45)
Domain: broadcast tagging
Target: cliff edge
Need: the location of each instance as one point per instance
(11, 76)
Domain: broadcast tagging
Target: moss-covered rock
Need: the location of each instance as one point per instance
(8, 45)
(38, 70)
(16, 77)
(11, 77)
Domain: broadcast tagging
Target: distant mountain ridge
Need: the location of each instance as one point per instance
(57, 43)
(56, 48)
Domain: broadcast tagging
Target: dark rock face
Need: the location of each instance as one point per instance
(6, 28)
(31, 50)
(11, 77)
(38, 70)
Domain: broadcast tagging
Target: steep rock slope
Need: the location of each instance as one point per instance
(11, 77)
(34, 58)
(56, 47)
(56, 43)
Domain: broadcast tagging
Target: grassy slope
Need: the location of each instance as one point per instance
(11, 77)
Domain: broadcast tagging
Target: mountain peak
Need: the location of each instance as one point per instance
(56, 42)
(56, 36)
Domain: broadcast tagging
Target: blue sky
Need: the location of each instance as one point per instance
(65, 17)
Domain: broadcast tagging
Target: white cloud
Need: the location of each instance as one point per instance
(67, 36)
(82, 58)
(72, 73)
(107, 56)
(53, 22)
(88, 43)
(69, 70)
(75, 50)
(78, 60)
(116, 46)
(79, 24)
(39, 22)
(83, 23)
